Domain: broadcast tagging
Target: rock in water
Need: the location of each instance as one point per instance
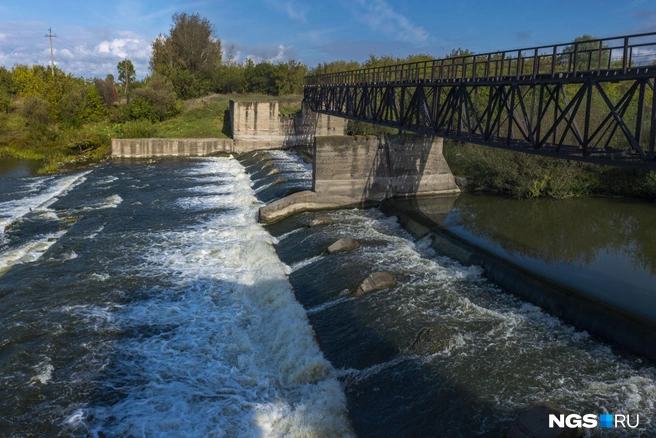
(321, 220)
(343, 245)
(375, 282)
(268, 164)
(534, 423)
(275, 171)
(431, 339)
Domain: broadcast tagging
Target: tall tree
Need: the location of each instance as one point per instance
(126, 76)
(190, 51)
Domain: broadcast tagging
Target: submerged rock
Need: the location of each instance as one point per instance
(275, 171)
(343, 245)
(375, 282)
(534, 423)
(72, 219)
(321, 220)
(431, 339)
(280, 181)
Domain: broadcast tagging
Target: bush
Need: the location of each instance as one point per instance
(136, 129)
(529, 176)
(159, 95)
(36, 111)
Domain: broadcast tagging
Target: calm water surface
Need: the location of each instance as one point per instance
(603, 247)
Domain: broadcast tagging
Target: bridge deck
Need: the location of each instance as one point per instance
(551, 100)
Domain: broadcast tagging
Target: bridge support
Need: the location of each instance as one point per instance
(359, 171)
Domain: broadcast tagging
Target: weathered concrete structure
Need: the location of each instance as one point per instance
(356, 171)
(372, 168)
(255, 126)
(259, 125)
(170, 147)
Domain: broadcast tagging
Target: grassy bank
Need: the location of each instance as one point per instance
(63, 148)
(529, 176)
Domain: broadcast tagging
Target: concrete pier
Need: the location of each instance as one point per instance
(357, 171)
(259, 125)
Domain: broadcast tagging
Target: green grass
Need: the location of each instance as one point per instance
(62, 149)
(205, 117)
(209, 116)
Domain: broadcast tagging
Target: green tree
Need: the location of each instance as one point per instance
(155, 101)
(126, 76)
(189, 56)
(590, 53)
(288, 77)
(36, 111)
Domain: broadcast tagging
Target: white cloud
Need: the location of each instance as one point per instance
(236, 52)
(273, 54)
(294, 11)
(381, 17)
(83, 52)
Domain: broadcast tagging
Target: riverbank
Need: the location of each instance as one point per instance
(523, 176)
(60, 147)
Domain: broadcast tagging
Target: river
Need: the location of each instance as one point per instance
(144, 299)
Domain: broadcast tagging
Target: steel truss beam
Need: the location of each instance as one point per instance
(575, 119)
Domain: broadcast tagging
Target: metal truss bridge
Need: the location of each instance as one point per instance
(590, 101)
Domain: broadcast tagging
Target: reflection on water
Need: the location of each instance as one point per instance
(602, 247)
(15, 168)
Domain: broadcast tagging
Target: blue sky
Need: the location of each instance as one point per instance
(92, 37)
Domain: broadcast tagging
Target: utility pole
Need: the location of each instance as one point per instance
(52, 58)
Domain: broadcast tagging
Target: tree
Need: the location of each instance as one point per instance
(288, 77)
(588, 58)
(126, 76)
(190, 54)
(36, 111)
(107, 90)
(155, 101)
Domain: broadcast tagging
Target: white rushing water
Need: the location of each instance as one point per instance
(232, 353)
(11, 211)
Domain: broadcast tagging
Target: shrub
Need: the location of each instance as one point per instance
(136, 129)
(159, 94)
(36, 111)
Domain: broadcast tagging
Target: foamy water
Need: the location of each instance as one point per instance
(236, 356)
(10, 211)
(501, 354)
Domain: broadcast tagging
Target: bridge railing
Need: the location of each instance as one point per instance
(615, 56)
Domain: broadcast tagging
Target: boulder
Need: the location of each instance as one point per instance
(343, 245)
(375, 282)
(268, 164)
(275, 171)
(321, 220)
(534, 423)
(431, 339)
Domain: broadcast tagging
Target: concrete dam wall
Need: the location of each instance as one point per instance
(255, 126)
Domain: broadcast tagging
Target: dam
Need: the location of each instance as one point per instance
(179, 290)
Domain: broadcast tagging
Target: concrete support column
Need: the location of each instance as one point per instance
(355, 171)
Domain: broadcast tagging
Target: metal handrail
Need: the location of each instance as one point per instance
(582, 57)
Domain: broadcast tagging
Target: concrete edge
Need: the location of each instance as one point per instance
(303, 201)
(632, 332)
